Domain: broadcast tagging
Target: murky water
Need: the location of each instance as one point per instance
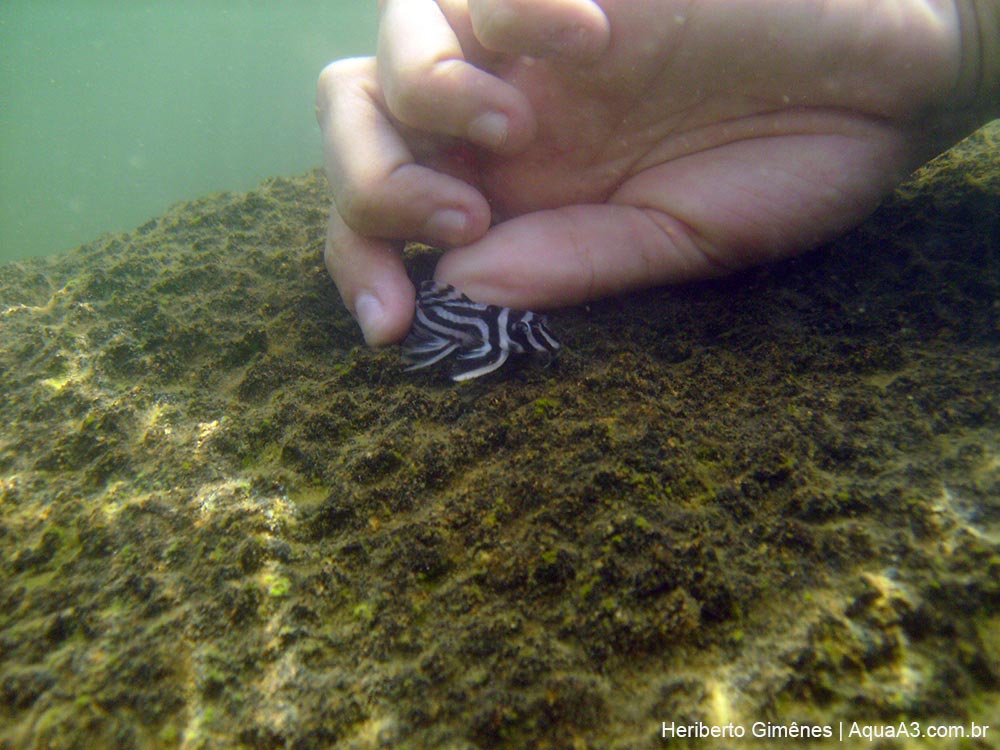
(110, 112)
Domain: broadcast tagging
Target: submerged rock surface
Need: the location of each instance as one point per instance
(773, 498)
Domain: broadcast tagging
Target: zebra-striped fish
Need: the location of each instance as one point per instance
(482, 336)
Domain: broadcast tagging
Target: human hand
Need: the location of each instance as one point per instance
(628, 143)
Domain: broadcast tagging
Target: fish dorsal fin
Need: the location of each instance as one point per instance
(431, 292)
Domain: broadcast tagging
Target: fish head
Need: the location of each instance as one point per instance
(530, 333)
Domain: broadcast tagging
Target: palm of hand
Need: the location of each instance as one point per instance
(682, 164)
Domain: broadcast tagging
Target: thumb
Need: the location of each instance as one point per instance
(573, 254)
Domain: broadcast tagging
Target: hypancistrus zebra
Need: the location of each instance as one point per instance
(483, 336)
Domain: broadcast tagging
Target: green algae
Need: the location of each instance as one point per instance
(226, 523)
(276, 585)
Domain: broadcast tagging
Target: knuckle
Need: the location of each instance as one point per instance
(333, 73)
(334, 76)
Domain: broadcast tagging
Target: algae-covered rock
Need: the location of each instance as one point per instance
(766, 502)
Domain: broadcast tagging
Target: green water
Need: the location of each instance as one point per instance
(110, 112)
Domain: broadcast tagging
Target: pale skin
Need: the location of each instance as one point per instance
(566, 150)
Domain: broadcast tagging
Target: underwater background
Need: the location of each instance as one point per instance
(111, 112)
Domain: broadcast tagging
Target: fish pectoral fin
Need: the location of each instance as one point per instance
(482, 350)
(420, 348)
(425, 356)
(476, 363)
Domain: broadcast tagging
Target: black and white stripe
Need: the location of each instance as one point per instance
(483, 336)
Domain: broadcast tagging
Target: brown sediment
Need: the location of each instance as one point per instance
(773, 498)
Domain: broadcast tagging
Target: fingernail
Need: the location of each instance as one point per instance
(368, 312)
(448, 224)
(490, 129)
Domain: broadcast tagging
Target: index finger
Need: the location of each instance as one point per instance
(379, 188)
(429, 84)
